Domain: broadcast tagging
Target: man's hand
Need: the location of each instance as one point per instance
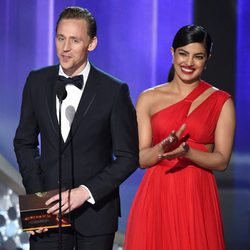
(38, 231)
(71, 199)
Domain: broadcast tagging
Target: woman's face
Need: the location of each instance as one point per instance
(189, 61)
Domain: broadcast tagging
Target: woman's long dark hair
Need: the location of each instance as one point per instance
(190, 34)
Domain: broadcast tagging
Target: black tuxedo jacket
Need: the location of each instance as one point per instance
(100, 152)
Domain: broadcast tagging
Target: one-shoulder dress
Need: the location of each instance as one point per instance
(177, 206)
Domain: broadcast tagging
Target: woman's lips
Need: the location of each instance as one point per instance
(187, 70)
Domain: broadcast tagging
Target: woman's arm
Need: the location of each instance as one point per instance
(224, 137)
(150, 155)
(219, 158)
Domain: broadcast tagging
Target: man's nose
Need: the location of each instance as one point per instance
(67, 45)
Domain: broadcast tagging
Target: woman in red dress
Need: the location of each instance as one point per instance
(186, 131)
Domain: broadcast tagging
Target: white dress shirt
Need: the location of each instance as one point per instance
(69, 107)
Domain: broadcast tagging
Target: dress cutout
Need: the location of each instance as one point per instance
(176, 206)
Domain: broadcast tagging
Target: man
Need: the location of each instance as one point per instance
(99, 133)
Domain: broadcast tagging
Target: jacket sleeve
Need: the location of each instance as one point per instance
(26, 143)
(125, 147)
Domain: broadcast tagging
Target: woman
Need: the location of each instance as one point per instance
(177, 203)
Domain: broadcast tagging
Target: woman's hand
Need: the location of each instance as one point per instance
(169, 144)
(180, 151)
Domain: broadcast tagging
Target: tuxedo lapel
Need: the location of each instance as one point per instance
(51, 99)
(87, 99)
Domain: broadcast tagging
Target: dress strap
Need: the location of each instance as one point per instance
(202, 87)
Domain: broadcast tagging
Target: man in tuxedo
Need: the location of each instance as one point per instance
(98, 136)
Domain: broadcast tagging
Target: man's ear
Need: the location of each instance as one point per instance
(172, 51)
(92, 44)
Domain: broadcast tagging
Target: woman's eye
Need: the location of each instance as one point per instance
(199, 57)
(182, 54)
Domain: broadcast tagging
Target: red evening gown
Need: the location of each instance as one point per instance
(177, 205)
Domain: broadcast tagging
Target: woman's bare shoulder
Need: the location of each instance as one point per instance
(151, 97)
(154, 91)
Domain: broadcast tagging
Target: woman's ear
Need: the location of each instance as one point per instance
(205, 66)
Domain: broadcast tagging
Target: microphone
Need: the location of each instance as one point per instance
(70, 113)
(61, 91)
(61, 94)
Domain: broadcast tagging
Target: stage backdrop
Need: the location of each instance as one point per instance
(134, 40)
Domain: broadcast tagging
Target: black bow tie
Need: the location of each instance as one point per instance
(76, 80)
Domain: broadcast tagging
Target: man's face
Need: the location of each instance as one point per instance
(73, 44)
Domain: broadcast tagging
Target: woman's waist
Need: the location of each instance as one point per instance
(180, 162)
(180, 166)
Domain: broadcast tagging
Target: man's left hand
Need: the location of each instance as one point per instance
(71, 199)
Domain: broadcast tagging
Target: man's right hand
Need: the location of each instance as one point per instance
(38, 231)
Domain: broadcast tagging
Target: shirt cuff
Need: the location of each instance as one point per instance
(91, 198)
